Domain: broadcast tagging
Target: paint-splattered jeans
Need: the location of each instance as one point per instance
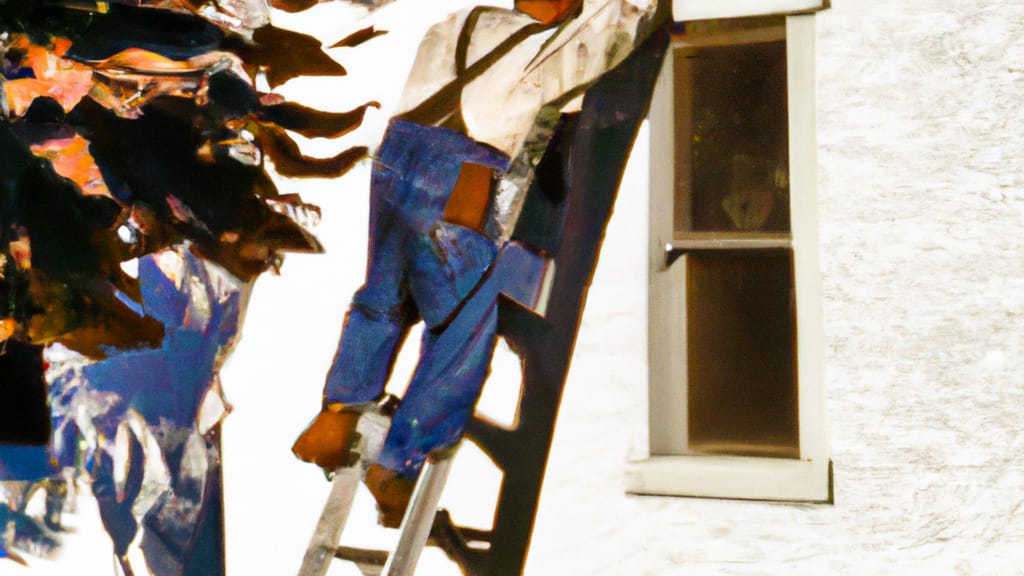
(420, 267)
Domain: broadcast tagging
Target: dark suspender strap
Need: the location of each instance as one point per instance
(446, 100)
(455, 121)
(465, 35)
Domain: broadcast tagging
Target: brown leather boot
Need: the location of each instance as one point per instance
(392, 493)
(329, 438)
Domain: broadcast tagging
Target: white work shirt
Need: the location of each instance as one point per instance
(500, 106)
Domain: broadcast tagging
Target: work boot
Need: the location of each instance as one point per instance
(329, 438)
(392, 493)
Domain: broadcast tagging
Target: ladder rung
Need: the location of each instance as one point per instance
(362, 555)
(445, 528)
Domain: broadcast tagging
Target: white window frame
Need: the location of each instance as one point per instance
(670, 470)
(685, 10)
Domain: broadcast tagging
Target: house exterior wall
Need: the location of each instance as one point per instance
(921, 198)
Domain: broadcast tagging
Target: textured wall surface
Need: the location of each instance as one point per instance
(921, 197)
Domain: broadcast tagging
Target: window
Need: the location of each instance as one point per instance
(735, 339)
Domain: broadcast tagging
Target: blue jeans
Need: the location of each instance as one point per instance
(420, 267)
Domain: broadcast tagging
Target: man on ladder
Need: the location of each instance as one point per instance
(449, 181)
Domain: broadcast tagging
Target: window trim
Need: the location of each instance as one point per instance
(670, 470)
(683, 10)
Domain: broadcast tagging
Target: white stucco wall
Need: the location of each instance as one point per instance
(922, 206)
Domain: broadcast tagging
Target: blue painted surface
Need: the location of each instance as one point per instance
(169, 382)
(19, 462)
(166, 386)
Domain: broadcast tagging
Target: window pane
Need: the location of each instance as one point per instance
(731, 134)
(742, 383)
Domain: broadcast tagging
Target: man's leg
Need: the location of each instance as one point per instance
(374, 328)
(441, 397)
